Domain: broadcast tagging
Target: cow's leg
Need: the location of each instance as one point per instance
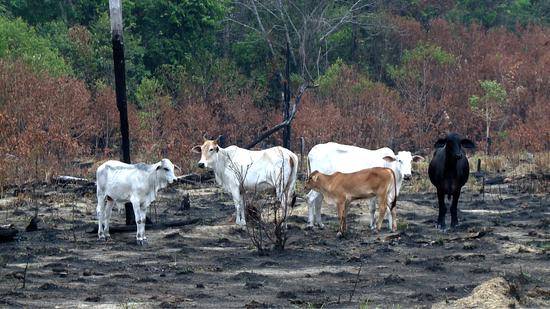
(442, 209)
(310, 199)
(107, 218)
(341, 206)
(239, 207)
(100, 211)
(392, 218)
(372, 209)
(143, 212)
(454, 206)
(382, 206)
(242, 213)
(314, 202)
(137, 215)
(317, 211)
(285, 202)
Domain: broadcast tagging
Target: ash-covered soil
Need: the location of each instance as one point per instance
(212, 263)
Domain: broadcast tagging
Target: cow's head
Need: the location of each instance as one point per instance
(453, 145)
(404, 160)
(209, 152)
(312, 181)
(165, 168)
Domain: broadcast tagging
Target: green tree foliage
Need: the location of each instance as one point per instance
(19, 41)
(414, 61)
(489, 106)
(501, 12)
(174, 31)
(147, 92)
(102, 60)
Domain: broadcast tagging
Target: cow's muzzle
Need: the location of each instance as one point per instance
(407, 177)
(201, 165)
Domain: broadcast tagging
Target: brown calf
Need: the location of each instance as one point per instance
(341, 189)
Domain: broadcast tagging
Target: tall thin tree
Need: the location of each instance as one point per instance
(115, 10)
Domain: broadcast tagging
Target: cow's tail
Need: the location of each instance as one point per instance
(291, 179)
(394, 202)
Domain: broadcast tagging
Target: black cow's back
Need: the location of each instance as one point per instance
(446, 173)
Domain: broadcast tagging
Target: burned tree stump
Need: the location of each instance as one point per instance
(8, 233)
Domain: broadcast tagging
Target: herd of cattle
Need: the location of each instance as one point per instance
(339, 174)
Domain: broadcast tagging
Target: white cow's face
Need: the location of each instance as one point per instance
(404, 160)
(167, 168)
(209, 153)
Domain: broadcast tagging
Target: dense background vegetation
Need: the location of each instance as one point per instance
(390, 73)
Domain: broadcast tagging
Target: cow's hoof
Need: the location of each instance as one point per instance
(101, 238)
(454, 224)
(320, 226)
(141, 242)
(340, 235)
(442, 228)
(108, 238)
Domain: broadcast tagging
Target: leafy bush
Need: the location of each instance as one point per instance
(20, 41)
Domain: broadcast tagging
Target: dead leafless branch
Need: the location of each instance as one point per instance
(286, 122)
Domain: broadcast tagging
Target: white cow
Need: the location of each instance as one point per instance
(273, 168)
(119, 183)
(333, 157)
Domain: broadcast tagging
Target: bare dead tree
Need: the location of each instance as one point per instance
(302, 30)
(306, 26)
(265, 216)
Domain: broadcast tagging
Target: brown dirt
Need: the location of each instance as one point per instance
(504, 233)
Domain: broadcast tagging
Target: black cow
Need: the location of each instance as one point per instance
(449, 171)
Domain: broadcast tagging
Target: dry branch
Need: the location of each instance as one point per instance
(286, 122)
(72, 179)
(195, 179)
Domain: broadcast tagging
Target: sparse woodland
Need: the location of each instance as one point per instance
(370, 73)
(389, 73)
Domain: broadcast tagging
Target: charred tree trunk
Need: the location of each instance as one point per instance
(286, 109)
(115, 9)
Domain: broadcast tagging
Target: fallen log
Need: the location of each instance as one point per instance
(113, 229)
(189, 178)
(473, 235)
(71, 179)
(495, 180)
(8, 233)
(195, 179)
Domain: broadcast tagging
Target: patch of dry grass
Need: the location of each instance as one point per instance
(494, 293)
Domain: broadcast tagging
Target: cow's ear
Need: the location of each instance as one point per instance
(440, 143)
(466, 143)
(417, 158)
(314, 178)
(388, 159)
(196, 149)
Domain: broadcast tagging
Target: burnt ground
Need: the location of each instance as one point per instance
(212, 263)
